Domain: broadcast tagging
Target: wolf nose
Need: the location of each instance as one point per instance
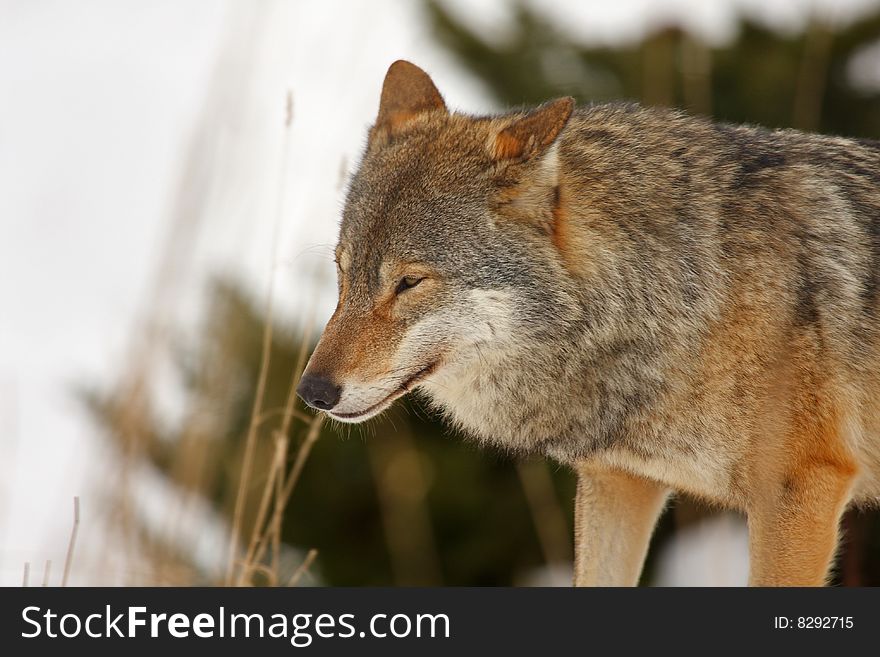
(318, 391)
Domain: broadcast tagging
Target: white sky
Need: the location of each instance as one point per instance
(97, 101)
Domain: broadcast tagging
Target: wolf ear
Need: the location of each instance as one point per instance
(406, 93)
(532, 134)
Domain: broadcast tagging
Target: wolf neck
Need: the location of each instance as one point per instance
(565, 397)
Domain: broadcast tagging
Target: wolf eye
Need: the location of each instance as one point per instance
(406, 283)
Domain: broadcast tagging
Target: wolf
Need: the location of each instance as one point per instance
(663, 303)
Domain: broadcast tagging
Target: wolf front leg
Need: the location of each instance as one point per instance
(793, 531)
(615, 514)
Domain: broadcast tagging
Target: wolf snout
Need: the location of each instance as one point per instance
(318, 391)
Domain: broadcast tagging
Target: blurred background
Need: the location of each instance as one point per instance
(171, 176)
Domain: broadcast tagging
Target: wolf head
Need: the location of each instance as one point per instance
(446, 253)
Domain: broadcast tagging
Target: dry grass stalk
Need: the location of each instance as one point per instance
(46, 572)
(303, 568)
(27, 574)
(281, 502)
(257, 410)
(274, 472)
(261, 537)
(276, 535)
(68, 560)
(251, 440)
(289, 413)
